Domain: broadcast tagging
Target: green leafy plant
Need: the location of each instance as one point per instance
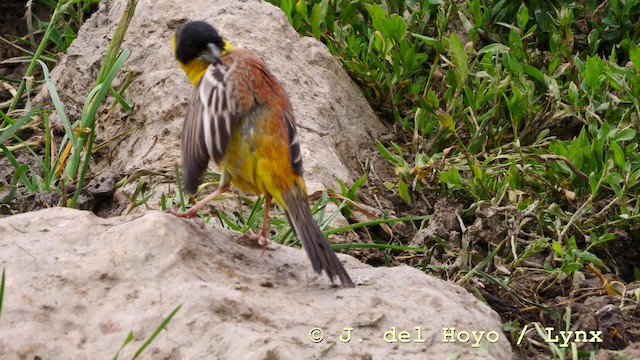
(69, 164)
(528, 109)
(372, 42)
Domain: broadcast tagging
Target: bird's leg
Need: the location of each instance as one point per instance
(225, 185)
(193, 211)
(261, 237)
(265, 222)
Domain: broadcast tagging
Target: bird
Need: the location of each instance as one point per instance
(241, 117)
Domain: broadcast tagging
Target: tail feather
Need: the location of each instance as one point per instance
(318, 248)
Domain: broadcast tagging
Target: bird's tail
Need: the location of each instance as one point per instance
(318, 248)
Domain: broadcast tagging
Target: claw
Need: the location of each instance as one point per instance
(259, 237)
(190, 214)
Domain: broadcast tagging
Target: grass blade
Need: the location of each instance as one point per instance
(12, 129)
(129, 339)
(57, 103)
(43, 43)
(162, 325)
(372, 223)
(1, 291)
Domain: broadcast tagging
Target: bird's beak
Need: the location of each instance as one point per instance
(211, 56)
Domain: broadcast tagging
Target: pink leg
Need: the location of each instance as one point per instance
(193, 212)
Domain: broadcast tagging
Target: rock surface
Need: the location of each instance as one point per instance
(76, 284)
(335, 122)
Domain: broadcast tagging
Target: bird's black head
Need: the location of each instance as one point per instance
(194, 40)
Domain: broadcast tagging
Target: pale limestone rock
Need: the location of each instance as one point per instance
(76, 284)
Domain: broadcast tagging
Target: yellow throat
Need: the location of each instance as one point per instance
(196, 67)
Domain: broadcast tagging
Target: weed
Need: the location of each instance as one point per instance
(64, 162)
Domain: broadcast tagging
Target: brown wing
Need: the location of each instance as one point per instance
(268, 90)
(214, 112)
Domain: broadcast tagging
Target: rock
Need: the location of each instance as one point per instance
(335, 121)
(76, 284)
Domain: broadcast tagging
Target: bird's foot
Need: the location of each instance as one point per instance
(184, 214)
(189, 214)
(260, 238)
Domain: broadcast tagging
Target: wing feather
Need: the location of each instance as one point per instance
(294, 143)
(195, 156)
(210, 120)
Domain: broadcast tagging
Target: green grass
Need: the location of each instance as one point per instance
(530, 106)
(2, 290)
(62, 162)
(130, 337)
